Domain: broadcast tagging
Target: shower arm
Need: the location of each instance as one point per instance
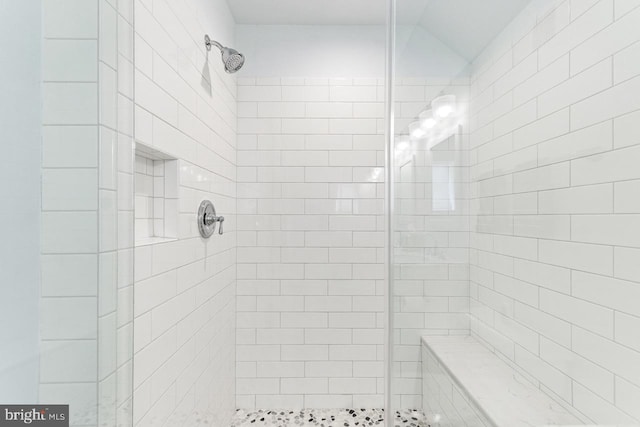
(208, 43)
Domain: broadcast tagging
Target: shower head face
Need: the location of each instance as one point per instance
(232, 59)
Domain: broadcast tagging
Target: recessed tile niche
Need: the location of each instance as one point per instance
(156, 201)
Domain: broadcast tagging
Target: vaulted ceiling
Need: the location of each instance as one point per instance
(466, 26)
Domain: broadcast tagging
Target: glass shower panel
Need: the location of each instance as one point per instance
(430, 224)
(20, 121)
(66, 258)
(514, 175)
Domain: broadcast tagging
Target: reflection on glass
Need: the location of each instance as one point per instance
(430, 200)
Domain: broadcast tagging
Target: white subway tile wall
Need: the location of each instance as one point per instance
(554, 190)
(115, 222)
(116, 176)
(310, 243)
(185, 107)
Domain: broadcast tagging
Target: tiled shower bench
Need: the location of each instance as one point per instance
(465, 384)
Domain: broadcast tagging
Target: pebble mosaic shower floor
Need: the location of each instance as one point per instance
(325, 418)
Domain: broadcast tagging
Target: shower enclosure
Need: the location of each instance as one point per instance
(362, 217)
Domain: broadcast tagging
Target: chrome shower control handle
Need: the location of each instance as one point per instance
(207, 219)
(220, 219)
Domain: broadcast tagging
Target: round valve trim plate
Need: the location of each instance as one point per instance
(206, 219)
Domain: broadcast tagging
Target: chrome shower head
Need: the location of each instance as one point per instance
(231, 58)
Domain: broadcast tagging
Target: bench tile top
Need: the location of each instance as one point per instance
(505, 397)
